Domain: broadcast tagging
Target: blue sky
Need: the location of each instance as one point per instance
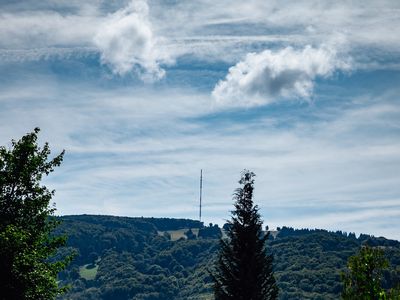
(142, 95)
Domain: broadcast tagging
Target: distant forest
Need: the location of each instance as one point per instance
(162, 258)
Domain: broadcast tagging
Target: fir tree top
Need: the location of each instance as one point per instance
(243, 269)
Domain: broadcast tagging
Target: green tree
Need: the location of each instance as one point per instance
(243, 270)
(394, 293)
(363, 277)
(27, 246)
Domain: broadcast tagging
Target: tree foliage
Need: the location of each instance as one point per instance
(364, 276)
(134, 260)
(26, 222)
(243, 268)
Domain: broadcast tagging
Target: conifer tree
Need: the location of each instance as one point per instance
(243, 270)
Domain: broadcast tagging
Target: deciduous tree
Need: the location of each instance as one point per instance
(364, 275)
(27, 246)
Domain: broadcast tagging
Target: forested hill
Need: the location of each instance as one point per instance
(162, 258)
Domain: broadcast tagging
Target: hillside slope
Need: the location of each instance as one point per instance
(153, 258)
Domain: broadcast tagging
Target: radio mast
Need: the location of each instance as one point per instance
(201, 191)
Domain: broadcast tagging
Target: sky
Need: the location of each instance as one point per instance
(142, 95)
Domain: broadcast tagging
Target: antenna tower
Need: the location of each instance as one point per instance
(201, 191)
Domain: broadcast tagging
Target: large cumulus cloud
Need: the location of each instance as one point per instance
(268, 76)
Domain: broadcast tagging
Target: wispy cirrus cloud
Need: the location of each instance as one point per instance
(259, 23)
(140, 153)
(226, 30)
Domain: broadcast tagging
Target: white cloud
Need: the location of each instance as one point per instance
(205, 29)
(227, 30)
(42, 29)
(124, 38)
(127, 43)
(265, 77)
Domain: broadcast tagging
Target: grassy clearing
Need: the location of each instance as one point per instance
(208, 296)
(88, 272)
(180, 233)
